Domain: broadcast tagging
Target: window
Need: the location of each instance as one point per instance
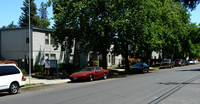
(8, 70)
(46, 55)
(27, 40)
(46, 38)
(53, 56)
(52, 40)
(109, 58)
(98, 69)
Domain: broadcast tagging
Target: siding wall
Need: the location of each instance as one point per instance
(14, 44)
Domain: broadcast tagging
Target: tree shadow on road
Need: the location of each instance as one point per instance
(190, 70)
(177, 83)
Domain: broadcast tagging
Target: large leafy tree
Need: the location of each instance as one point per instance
(24, 18)
(190, 3)
(88, 22)
(147, 25)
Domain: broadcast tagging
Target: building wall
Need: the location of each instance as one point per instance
(156, 55)
(13, 44)
(41, 50)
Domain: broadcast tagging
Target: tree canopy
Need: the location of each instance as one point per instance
(24, 18)
(145, 25)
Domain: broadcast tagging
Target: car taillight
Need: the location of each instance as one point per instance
(22, 78)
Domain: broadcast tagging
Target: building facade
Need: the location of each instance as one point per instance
(14, 45)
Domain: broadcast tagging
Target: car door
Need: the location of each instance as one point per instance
(145, 66)
(99, 72)
(4, 78)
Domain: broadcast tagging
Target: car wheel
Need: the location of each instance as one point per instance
(105, 76)
(147, 70)
(14, 88)
(91, 77)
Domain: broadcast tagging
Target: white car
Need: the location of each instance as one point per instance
(11, 78)
(193, 61)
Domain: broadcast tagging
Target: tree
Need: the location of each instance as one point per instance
(190, 3)
(43, 16)
(24, 18)
(86, 22)
(11, 25)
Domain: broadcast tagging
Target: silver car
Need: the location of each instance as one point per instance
(167, 63)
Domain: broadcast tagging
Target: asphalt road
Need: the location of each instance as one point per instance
(179, 85)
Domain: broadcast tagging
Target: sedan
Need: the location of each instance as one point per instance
(193, 61)
(140, 67)
(89, 73)
(179, 62)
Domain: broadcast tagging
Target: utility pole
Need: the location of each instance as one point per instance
(30, 40)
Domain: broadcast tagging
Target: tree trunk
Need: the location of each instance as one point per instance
(104, 60)
(126, 58)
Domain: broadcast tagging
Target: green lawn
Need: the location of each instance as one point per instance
(35, 84)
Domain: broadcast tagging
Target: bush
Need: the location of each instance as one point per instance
(39, 68)
(95, 63)
(24, 72)
(68, 68)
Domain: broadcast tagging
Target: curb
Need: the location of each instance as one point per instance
(41, 86)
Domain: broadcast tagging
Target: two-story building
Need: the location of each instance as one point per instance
(14, 45)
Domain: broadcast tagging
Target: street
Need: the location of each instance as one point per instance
(180, 85)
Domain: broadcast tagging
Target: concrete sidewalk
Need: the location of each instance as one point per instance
(45, 81)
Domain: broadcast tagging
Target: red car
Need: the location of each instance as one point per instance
(89, 73)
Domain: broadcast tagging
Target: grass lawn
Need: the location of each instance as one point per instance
(157, 67)
(35, 84)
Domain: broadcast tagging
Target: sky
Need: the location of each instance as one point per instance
(10, 10)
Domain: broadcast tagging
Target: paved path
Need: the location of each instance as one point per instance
(46, 81)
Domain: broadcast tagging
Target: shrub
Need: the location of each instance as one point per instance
(39, 68)
(24, 72)
(68, 68)
(95, 63)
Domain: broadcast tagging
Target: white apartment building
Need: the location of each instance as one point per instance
(14, 44)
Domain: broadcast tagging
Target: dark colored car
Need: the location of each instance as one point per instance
(167, 63)
(140, 67)
(179, 62)
(187, 62)
(89, 73)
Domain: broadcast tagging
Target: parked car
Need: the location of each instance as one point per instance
(179, 62)
(90, 73)
(11, 78)
(192, 61)
(187, 62)
(167, 63)
(140, 67)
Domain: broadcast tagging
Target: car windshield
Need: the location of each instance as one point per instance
(177, 60)
(138, 64)
(191, 60)
(165, 60)
(87, 69)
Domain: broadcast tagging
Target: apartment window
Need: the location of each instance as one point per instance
(46, 38)
(46, 56)
(52, 41)
(53, 56)
(27, 40)
(109, 58)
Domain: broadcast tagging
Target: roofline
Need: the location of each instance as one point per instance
(34, 28)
